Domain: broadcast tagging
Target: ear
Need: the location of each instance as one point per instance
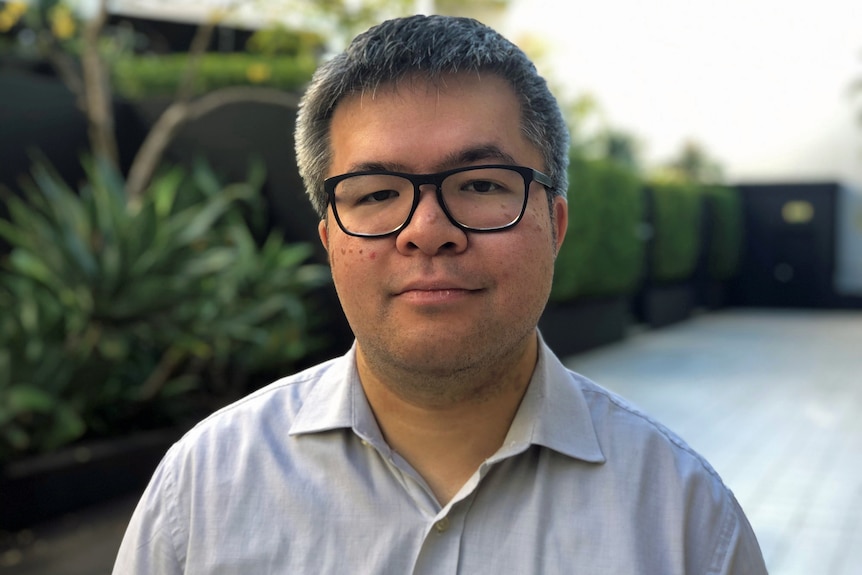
(323, 232)
(561, 219)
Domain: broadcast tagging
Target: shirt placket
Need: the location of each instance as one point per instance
(441, 549)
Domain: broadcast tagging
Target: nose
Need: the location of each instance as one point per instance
(429, 230)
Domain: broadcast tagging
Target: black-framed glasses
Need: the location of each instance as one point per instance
(378, 203)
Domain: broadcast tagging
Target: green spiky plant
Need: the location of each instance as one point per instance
(120, 315)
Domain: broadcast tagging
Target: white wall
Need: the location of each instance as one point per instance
(848, 276)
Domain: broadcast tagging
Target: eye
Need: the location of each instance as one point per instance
(378, 197)
(482, 187)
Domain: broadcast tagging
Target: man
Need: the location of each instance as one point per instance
(449, 439)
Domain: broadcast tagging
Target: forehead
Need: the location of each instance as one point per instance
(423, 125)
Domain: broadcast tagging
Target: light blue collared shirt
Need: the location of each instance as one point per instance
(296, 478)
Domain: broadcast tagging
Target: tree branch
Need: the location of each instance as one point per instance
(160, 375)
(64, 65)
(151, 151)
(199, 44)
(97, 92)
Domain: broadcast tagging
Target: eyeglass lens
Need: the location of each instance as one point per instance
(483, 198)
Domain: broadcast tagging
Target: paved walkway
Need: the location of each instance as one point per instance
(772, 398)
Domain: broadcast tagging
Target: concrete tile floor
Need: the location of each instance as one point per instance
(82, 543)
(772, 398)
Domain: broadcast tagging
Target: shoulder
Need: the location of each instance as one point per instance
(281, 400)
(623, 428)
(291, 389)
(243, 448)
(670, 485)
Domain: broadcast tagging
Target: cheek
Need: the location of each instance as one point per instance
(351, 265)
(540, 219)
(348, 252)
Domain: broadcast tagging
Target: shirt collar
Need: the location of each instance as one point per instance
(553, 413)
(337, 401)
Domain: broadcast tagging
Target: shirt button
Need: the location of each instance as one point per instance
(442, 525)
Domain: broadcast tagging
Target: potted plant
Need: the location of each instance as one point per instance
(599, 264)
(667, 295)
(136, 316)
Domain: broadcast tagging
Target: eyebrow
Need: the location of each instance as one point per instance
(488, 152)
(477, 154)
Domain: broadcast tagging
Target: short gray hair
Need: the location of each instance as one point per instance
(433, 46)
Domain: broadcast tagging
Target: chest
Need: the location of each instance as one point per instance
(517, 517)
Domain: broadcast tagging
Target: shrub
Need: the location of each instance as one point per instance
(137, 77)
(726, 233)
(281, 40)
(676, 224)
(602, 254)
(120, 317)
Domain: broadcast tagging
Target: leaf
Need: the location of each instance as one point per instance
(67, 426)
(217, 259)
(26, 399)
(14, 235)
(163, 191)
(204, 178)
(200, 221)
(28, 265)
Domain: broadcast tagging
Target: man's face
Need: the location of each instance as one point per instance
(434, 299)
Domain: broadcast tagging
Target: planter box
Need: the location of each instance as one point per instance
(585, 324)
(712, 294)
(664, 305)
(46, 486)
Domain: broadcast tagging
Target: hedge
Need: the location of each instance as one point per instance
(676, 225)
(726, 233)
(137, 77)
(602, 254)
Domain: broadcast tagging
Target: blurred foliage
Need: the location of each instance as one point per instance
(676, 222)
(855, 91)
(120, 317)
(693, 169)
(147, 76)
(346, 18)
(11, 14)
(602, 254)
(488, 11)
(594, 138)
(592, 135)
(53, 15)
(33, 29)
(692, 164)
(726, 233)
(280, 40)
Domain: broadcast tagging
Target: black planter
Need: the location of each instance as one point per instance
(712, 294)
(42, 487)
(663, 305)
(584, 324)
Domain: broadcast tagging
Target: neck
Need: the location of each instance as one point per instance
(446, 425)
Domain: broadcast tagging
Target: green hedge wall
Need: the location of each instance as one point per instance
(137, 77)
(602, 255)
(726, 231)
(676, 225)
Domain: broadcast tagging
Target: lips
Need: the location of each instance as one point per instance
(434, 286)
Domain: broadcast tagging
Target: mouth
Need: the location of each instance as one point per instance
(434, 292)
(434, 286)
